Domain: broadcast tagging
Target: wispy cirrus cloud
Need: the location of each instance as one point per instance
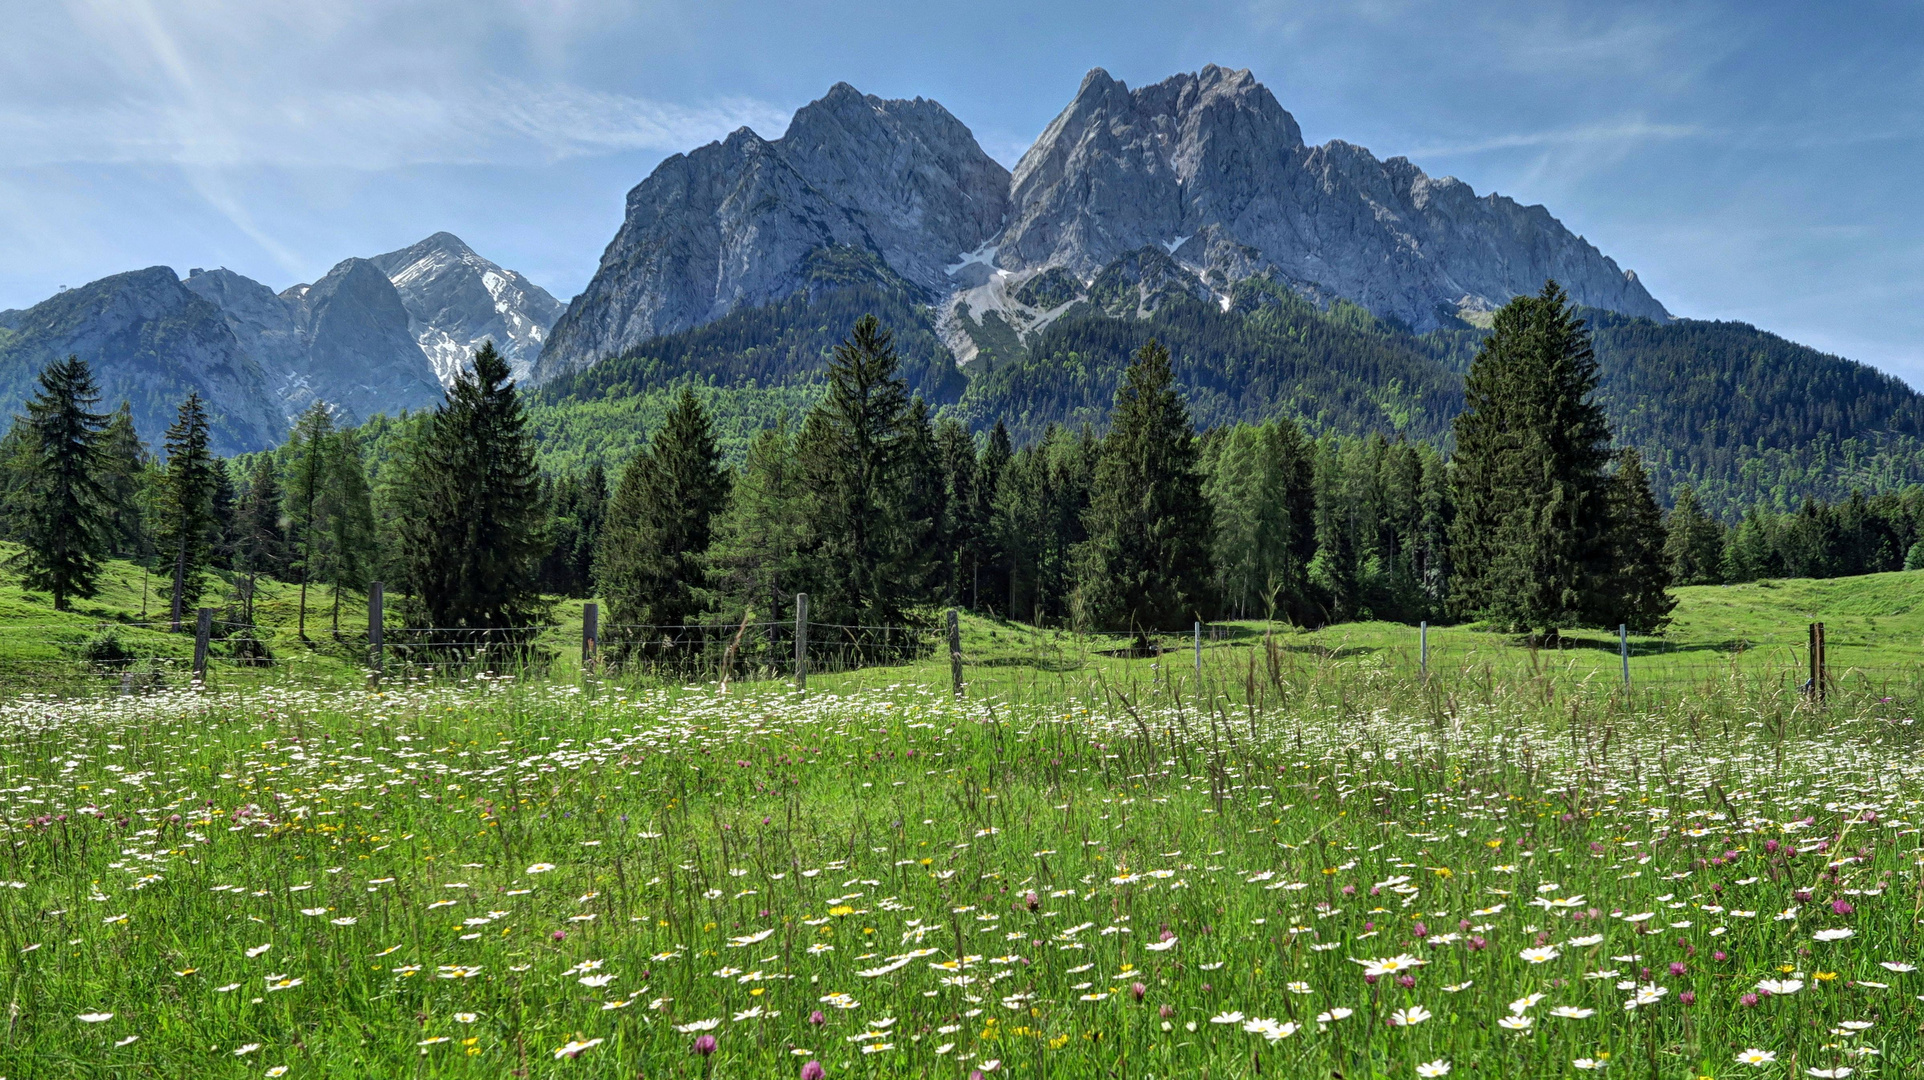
(501, 122)
(1599, 134)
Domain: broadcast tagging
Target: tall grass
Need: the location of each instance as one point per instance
(1097, 867)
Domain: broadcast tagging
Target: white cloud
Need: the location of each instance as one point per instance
(1609, 133)
(222, 83)
(501, 122)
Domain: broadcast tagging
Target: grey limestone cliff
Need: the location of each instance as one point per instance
(456, 300)
(1207, 167)
(733, 222)
(345, 340)
(150, 342)
(1210, 167)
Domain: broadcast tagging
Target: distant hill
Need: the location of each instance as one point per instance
(371, 336)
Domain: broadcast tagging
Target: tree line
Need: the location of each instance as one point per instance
(882, 512)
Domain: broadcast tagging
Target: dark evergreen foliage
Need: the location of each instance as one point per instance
(1040, 523)
(1146, 564)
(1529, 543)
(1693, 542)
(1636, 593)
(864, 452)
(61, 503)
(650, 566)
(471, 532)
(187, 524)
(577, 505)
(124, 477)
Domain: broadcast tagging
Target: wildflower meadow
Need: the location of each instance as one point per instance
(482, 878)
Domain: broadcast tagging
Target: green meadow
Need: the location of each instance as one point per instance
(1309, 858)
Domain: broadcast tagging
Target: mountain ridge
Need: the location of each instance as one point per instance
(353, 338)
(1207, 166)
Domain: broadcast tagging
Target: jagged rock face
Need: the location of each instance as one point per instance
(150, 342)
(733, 222)
(1210, 167)
(361, 356)
(1207, 167)
(456, 300)
(266, 326)
(345, 340)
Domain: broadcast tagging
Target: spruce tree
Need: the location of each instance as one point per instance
(261, 547)
(123, 477)
(1260, 486)
(63, 512)
(1146, 564)
(1337, 568)
(226, 510)
(961, 529)
(758, 561)
(990, 565)
(187, 506)
(1694, 542)
(660, 523)
(1637, 594)
(351, 546)
(471, 530)
(310, 469)
(863, 459)
(1751, 552)
(1528, 544)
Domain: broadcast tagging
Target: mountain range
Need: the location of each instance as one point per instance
(371, 336)
(1206, 169)
(1314, 281)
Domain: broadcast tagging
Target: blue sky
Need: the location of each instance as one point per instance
(1751, 161)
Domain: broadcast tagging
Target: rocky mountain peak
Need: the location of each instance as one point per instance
(1206, 166)
(734, 222)
(456, 300)
(1210, 166)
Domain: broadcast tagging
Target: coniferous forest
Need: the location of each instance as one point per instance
(892, 495)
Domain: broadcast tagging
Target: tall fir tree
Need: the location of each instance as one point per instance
(261, 547)
(123, 476)
(471, 528)
(1261, 487)
(990, 566)
(651, 566)
(1529, 481)
(351, 548)
(63, 513)
(1693, 542)
(1041, 507)
(862, 460)
(226, 510)
(1637, 594)
(310, 469)
(187, 523)
(757, 561)
(1146, 564)
(961, 528)
(577, 502)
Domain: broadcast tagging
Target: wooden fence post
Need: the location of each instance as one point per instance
(801, 641)
(203, 630)
(1823, 666)
(376, 623)
(1623, 650)
(955, 652)
(1423, 648)
(590, 632)
(1810, 656)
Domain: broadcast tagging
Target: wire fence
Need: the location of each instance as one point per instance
(136, 656)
